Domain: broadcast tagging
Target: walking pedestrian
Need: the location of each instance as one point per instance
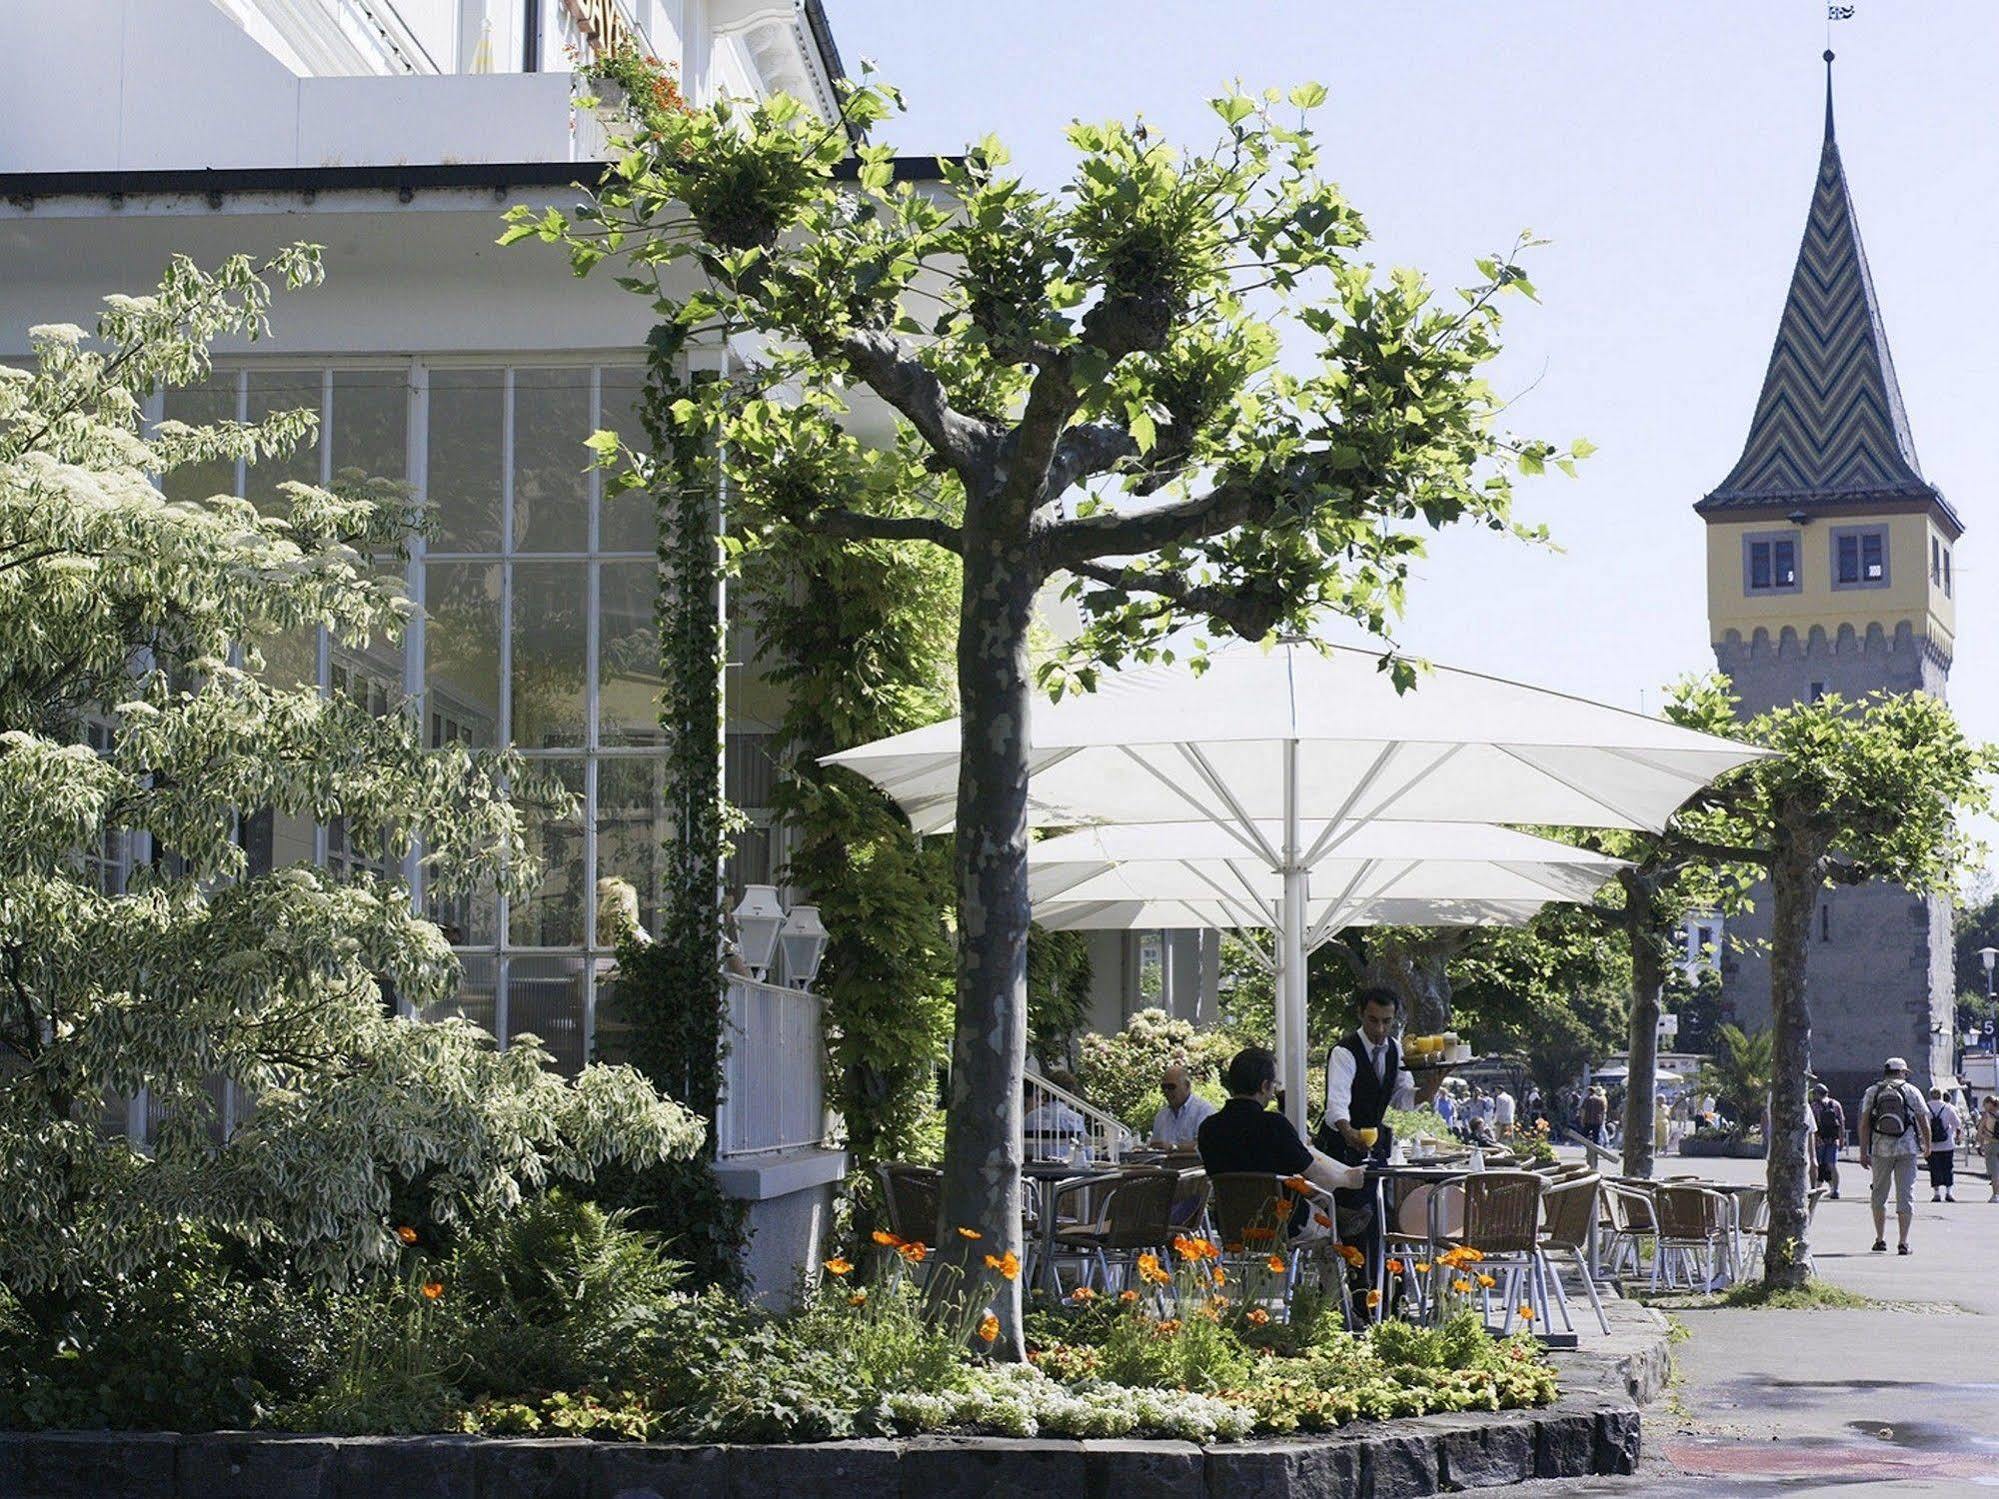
(1894, 1135)
(1829, 1134)
(1987, 1140)
(1944, 1125)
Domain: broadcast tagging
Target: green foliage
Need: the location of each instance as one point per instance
(124, 616)
(1120, 1073)
(1741, 1073)
(1058, 992)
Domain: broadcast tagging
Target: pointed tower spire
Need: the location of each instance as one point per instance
(1829, 424)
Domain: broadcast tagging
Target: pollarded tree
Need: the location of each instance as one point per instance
(130, 623)
(1855, 791)
(1087, 387)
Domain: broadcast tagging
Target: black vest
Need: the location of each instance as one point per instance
(1371, 1094)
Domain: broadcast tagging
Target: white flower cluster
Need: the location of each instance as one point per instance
(1020, 1401)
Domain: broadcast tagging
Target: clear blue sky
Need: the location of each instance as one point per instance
(1668, 152)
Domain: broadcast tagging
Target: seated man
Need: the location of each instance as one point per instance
(1245, 1135)
(1052, 1121)
(1180, 1118)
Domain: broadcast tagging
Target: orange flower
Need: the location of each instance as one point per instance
(1422, 1267)
(1275, 1264)
(1352, 1255)
(1461, 1286)
(406, 1234)
(988, 1328)
(1127, 1296)
(1150, 1270)
(1395, 1267)
(838, 1266)
(1486, 1282)
(1082, 1294)
(1008, 1264)
(970, 1233)
(913, 1252)
(1526, 1314)
(1221, 1276)
(1322, 1220)
(1471, 1256)
(1168, 1327)
(1193, 1249)
(432, 1289)
(859, 1298)
(1299, 1185)
(1256, 1316)
(886, 1239)
(1373, 1300)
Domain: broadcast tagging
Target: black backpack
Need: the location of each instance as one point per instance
(1890, 1115)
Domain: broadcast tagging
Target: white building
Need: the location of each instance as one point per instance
(395, 133)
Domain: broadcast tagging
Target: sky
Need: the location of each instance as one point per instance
(1667, 151)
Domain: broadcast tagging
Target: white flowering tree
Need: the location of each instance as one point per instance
(134, 708)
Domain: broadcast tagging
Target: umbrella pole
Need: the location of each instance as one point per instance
(1291, 954)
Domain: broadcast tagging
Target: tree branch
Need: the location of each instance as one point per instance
(1228, 505)
(1251, 611)
(890, 368)
(1724, 853)
(853, 525)
(1084, 451)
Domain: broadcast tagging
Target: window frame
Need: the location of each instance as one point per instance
(1859, 535)
(1772, 539)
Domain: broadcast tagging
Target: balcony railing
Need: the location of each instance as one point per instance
(773, 1077)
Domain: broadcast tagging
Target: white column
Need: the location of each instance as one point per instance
(1291, 955)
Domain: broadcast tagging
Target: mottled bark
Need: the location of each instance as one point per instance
(1421, 975)
(1641, 1083)
(1794, 890)
(982, 1138)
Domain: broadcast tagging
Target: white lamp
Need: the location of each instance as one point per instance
(804, 941)
(758, 919)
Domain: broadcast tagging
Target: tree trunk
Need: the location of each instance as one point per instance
(1421, 973)
(1641, 1081)
(982, 1135)
(1787, 1254)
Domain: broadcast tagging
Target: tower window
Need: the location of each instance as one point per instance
(1770, 563)
(1936, 560)
(1860, 557)
(1814, 692)
(1946, 573)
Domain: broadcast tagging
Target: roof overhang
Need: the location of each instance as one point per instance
(1722, 507)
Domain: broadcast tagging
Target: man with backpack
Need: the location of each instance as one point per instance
(1944, 1129)
(1829, 1133)
(1894, 1136)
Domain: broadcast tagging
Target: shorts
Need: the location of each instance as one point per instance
(1943, 1168)
(1828, 1158)
(1901, 1170)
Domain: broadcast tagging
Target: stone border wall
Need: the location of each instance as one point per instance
(1592, 1428)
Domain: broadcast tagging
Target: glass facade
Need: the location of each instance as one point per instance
(538, 631)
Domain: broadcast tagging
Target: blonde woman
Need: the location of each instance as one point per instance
(1987, 1138)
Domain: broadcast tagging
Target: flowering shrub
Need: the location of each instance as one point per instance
(1120, 1073)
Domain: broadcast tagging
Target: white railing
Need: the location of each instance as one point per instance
(773, 1077)
(1057, 1119)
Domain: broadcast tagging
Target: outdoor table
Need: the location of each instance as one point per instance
(1380, 1174)
(1051, 1177)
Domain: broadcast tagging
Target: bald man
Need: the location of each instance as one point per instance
(1178, 1122)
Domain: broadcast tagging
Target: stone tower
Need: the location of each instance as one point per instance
(1829, 570)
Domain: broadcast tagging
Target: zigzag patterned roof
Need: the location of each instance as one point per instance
(1829, 425)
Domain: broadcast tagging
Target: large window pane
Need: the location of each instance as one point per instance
(214, 400)
(553, 915)
(627, 524)
(466, 459)
(550, 620)
(551, 484)
(462, 652)
(369, 433)
(271, 392)
(628, 680)
(545, 999)
(475, 998)
(631, 835)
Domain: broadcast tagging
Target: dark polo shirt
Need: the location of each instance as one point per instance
(1245, 1136)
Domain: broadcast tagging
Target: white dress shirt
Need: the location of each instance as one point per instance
(1339, 1080)
(1181, 1126)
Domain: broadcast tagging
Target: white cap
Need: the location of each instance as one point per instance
(1896, 1064)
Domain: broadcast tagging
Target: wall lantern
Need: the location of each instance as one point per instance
(804, 940)
(758, 920)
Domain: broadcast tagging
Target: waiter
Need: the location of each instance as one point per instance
(1364, 1076)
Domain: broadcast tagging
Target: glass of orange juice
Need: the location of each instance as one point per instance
(1367, 1136)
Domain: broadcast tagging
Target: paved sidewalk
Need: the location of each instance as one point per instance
(1897, 1400)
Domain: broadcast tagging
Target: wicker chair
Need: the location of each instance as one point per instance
(913, 1197)
(1135, 1214)
(1502, 1222)
(1628, 1223)
(1696, 1226)
(1252, 1219)
(1568, 1212)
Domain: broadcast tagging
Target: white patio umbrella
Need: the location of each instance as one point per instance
(1301, 734)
